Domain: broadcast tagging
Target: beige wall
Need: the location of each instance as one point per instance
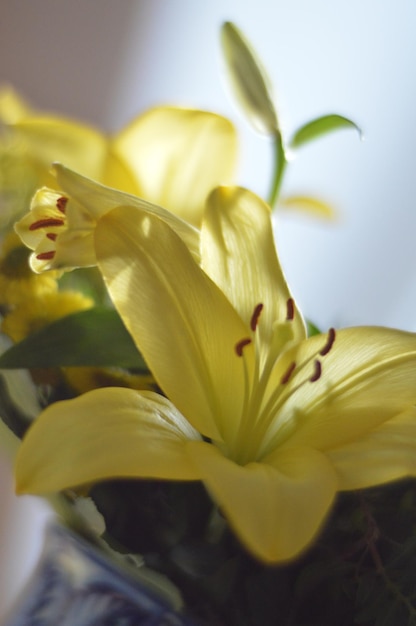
(64, 55)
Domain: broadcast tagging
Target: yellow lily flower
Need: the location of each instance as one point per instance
(274, 423)
(60, 224)
(169, 155)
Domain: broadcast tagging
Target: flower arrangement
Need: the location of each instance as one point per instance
(249, 458)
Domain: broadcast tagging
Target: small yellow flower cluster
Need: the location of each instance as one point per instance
(17, 281)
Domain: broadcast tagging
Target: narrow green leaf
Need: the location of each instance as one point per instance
(321, 126)
(96, 337)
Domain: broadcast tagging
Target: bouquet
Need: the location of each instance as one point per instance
(190, 419)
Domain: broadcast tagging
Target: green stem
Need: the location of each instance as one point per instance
(280, 163)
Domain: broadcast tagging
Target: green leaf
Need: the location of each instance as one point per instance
(321, 126)
(96, 337)
(312, 329)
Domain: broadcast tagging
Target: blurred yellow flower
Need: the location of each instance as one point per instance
(17, 280)
(169, 155)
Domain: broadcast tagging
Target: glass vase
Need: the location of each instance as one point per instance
(76, 584)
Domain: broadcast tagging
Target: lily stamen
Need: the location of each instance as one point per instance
(330, 342)
(286, 376)
(240, 345)
(255, 317)
(317, 372)
(281, 395)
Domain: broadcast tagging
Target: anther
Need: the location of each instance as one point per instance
(61, 203)
(45, 256)
(329, 342)
(46, 222)
(239, 347)
(316, 372)
(286, 376)
(51, 236)
(290, 308)
(255, 317)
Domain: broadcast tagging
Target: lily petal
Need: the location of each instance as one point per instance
(98, 200)
(343, 404)
(276, 507)
(385, 454)
(237, 229)
(105, 433)
(58, 139)
(177, 156)
(308, 204)
(191, 348)
(12, 107)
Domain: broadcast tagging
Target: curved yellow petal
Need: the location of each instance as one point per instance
(275, 508)
(12, 107)
(50, 139)
(106, 433)
(181, 322)
(117, 174)
(307, 204)
(367, 377)
(177, 156)
(60, 224)
(239, 254)
(387, 453)
(98, 199)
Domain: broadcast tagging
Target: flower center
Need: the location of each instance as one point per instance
(266, 392)
(49, 225)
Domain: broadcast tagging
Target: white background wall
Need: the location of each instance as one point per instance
(104, 61)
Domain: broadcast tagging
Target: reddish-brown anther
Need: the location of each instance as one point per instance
(47, 222)
(290, 314)
(61, 203)
(329, 342)
(239, 347)
(255, 317)
(45, 256)
(317, 371)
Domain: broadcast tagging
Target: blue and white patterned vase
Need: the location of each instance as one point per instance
(74, 584)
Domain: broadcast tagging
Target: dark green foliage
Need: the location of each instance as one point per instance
(77, 340)
(361, 570)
